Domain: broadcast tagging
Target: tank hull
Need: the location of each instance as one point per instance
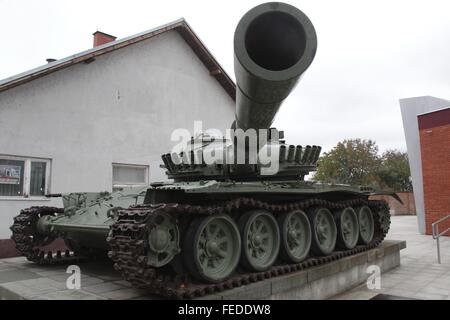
(132, 235)
(83, 223)
(236, 202)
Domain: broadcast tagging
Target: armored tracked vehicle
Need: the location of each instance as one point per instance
(222, 224)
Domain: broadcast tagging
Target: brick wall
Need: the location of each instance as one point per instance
(435, 150)
(407, 208)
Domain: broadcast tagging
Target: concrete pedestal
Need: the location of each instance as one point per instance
(324, 281)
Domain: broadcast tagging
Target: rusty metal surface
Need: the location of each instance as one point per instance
(30, 244)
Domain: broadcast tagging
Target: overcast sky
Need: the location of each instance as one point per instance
(370, 54)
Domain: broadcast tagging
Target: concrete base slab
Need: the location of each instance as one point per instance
(324, 281)
(20, 279)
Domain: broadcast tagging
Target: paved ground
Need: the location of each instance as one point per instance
(419, 276)
(99, 281)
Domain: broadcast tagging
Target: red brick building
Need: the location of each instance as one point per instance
(434, 132)
(397, 209)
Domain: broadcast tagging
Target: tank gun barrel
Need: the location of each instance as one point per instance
(274, 43)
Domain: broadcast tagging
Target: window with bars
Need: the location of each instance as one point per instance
(23, 177)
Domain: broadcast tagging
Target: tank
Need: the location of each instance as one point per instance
(234, 210)
(83, 223)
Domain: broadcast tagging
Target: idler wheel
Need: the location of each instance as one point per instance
(212, 248)
(324, 231)
(260, 240)
(163, 240)
(348, 228)
(295, 233)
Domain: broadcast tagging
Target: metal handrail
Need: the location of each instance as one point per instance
(437, 235)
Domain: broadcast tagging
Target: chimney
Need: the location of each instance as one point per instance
(102, 38)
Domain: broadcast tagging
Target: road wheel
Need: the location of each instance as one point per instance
(295, 234)
(260, 240)
(212, 248)
(324, 231)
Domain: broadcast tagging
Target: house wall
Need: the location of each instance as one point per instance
(120, 108)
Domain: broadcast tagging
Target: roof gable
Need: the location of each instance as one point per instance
(181, 26)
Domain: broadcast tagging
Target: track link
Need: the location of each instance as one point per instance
(30, 244)
(127, 240)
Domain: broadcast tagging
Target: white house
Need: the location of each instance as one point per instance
(104, 116)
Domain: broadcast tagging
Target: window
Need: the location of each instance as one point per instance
(11, 177)
(129, 175)
(37, 178)
(23, 177)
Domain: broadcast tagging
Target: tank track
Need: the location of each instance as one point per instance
(128, 244)
(30, 244)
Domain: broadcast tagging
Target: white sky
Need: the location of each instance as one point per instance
(370, 54)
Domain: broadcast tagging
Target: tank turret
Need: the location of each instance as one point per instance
(274, 44)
